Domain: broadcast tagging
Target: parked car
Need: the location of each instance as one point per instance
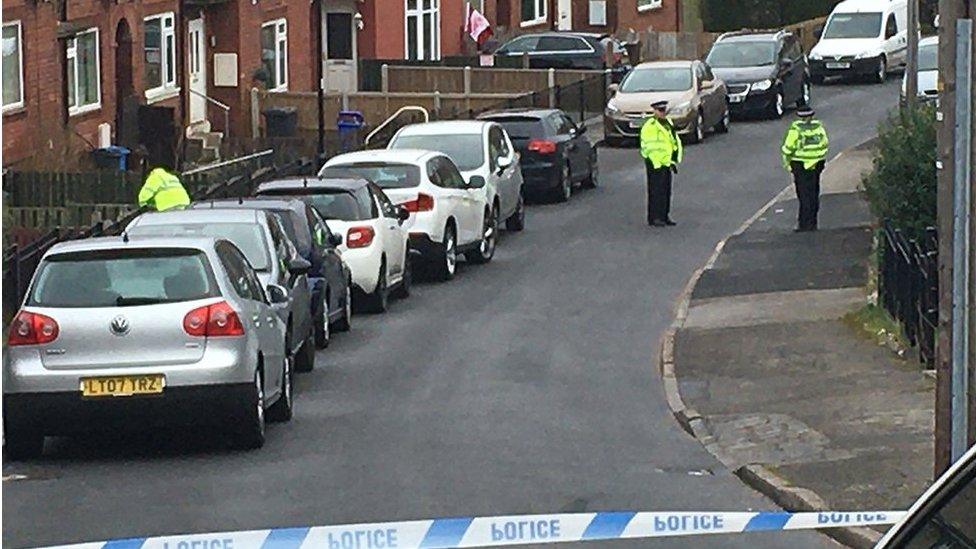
(262, 239)
(375, 245)
(559, 50)
(696, 100)
(944, 515)
(328, 277)
(119, 333)
(863, 38)
(928, 70)
(447, 215)
(555, 152)
(477, 148)
(764, 71)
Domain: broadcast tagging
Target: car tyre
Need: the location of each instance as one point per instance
(564, 190)
(777, 109)
(446, 263)
(323, 333)
(378, 301)
(305, 357)
(489, 239)
(593, 179)
(817, 79)
(23, 443)
(345, 321)
(517, 221)
(882, 71)
(403, 289)
(726, 121)
(251, 428)
(284, 408)
(698, 135)
(806, 95)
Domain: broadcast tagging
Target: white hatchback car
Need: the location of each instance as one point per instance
(477, 147)
(448, 215)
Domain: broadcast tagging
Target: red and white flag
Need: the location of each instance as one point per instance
(477, 26)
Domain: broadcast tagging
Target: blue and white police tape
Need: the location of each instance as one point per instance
(505, 530)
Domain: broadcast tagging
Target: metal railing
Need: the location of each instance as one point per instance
(222, 106)
(391, 119)
(908, 286)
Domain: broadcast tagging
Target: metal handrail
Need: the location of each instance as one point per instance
(222, 106)
(238, 160)
(387, 122)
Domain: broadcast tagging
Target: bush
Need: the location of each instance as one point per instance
(902, 186)
(729, 15)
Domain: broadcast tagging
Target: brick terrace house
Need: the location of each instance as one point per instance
(417, 29)
(117, 55)
(604, 16)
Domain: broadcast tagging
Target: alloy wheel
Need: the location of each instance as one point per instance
(699, 128)
(490, 234)
(779, 104)
(450, 254)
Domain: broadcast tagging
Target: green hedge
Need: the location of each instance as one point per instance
(729, 15)
(902, 186)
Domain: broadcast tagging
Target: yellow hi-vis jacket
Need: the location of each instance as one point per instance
(806, 141)
(659, 143)
(163, 191)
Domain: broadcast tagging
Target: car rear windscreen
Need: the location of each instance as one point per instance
(247, 236)
(522, 127)
(467, 150)
(339, 204)
(388, 175)
(119, 278)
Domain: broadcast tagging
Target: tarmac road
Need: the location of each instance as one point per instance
(526, 385)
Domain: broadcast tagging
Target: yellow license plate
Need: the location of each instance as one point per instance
(122, 386)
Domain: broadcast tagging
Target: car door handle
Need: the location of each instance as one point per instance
(257, 320)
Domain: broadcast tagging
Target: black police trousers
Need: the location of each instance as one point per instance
(807, 183)
(658, 193)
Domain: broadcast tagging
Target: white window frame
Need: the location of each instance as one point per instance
(594, 7)
(435, 14)
(281, 49)
(651, 5)
(540, 18)
(165, 89)
(20, 65)
(72, 52)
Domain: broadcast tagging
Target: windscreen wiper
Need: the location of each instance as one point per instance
(123, 301)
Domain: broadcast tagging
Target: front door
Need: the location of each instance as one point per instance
(340, 52)
(564, 20)
(197, 64)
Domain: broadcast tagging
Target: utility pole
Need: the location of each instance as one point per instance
(911, 71)
(320, 82)
(950, 11)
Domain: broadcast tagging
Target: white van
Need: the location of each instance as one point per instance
(862, 38)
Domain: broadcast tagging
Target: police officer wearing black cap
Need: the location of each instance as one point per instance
(804, 150)
(661, 149)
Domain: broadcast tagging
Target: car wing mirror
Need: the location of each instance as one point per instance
(612, 89)
(277, 295)
(476, 182)
(402, 214)
(335, 239)
(298, 266)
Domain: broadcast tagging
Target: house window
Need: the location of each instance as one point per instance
(160, 52)
(598, 12)
(477, 5)
(423, 29)
(644, 5)
(13, 67)
(534, 11)
(84, 87)
(274, 53)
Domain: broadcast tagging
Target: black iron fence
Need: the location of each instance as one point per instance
(908, 286)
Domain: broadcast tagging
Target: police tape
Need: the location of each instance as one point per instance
(505, 530)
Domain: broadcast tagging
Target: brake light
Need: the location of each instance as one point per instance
(423, 203)
(542, 146)
(32, 329)
(360, 237)
(216, 320)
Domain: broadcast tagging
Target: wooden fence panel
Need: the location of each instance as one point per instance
(426, 79)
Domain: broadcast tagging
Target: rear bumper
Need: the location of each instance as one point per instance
(421, 244)
(364, 264)
(540, 176)
(856, 67)
(65, 413)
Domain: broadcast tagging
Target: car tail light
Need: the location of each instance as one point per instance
(360, 237)
(542, 146)
(32, 329)
(216, 320)
(423, 203)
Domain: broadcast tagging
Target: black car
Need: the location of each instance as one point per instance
(555, 153)
(329, 275)
(563, 50)
(764, 71)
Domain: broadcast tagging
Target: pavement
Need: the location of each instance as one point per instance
(779, 387)
(526, 385)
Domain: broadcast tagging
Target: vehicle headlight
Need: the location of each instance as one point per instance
(611, 109)
(814, 56)
(867, 55)
(681, 109)
(762, 85)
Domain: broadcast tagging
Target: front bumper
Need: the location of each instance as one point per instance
(618, 125)
(752, 101)
(845, 66)
(67, 413)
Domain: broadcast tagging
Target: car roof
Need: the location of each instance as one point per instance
(254, 202)
(854, 6)
(752, 35)
(682, 63)
(524, 111)
(222, 215)
(401, 156)
(119, 242)
(445, 127)
(315, 182)
(928, 41)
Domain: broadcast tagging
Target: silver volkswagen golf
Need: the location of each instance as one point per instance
(141, 332)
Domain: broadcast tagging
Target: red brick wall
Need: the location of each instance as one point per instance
(664, 18)
(621, 15)
(383, 35)
(35, 136)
